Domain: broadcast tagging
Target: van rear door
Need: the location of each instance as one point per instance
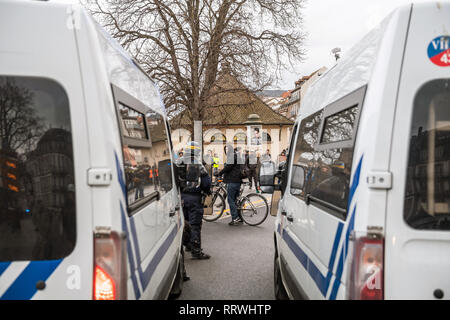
(417, 246)
(45, 207)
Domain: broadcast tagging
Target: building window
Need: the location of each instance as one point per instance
(218, 138)
(266, 137)
(240, 138)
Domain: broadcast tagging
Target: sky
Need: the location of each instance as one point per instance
(336, 23)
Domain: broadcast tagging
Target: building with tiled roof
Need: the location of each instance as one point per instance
(235, 115)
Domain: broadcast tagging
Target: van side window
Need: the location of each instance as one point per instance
(334, 154)
(333, 166)
(37, 179)
(162, 165)
(146, 151)
(325, 151)
(427, 194)
(339, 127)
(132, 122)
(305, 153)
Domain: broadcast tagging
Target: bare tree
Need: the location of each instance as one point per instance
(20, 127)
(185, 44)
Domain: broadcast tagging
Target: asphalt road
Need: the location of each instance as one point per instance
(241, 264)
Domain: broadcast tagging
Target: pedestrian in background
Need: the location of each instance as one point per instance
(232, 177)
(215, 164)
(208, 161)
(282, 157)
(266, 156)
(251, 163)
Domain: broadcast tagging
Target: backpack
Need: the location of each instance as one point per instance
(243, 171)
(189, 177)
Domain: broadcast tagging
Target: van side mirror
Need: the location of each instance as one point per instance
(298, 177)
(267, 174)
(282, 176)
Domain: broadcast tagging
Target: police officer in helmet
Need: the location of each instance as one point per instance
(194, 181)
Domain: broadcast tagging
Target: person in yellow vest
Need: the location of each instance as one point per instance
(215, 163)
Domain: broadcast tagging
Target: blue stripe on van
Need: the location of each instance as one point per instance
(342, 257)
(24, 287)
(322, 282)
(296, 250)
(137, 292)
(337, 239)
(351, 225)
(355, 182)
(279, 228)
(146, 275)
(4, 266)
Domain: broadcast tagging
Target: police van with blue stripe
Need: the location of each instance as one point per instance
(365, 193)
(89, 208)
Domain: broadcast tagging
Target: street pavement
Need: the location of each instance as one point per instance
(241, 264)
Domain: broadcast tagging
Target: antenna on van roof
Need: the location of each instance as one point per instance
(336, 52)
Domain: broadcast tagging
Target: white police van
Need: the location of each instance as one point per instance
(88, 203)
(365, 207)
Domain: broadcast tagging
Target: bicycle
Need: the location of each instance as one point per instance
(253, 208)
(216, 207)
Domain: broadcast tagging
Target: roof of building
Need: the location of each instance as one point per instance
(286, 94)
(231, 104)
(303, 79)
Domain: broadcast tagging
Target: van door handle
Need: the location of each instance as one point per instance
(173, 212)
(288, 217)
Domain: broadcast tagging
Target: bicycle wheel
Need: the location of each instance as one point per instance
(215, 208)
(253, 209)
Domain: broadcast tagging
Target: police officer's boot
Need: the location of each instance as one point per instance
(197, 252)
(200, 255)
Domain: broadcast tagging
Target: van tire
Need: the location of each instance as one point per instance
(177, 286)
(279, 289)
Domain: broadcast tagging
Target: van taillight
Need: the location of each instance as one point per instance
(110, 268)
(365, 280)
(105, 287)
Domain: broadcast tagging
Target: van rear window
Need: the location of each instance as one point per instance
(37, 188)
(427, 196)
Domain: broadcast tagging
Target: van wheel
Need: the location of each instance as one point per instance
(280, 291)
(177, 286)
